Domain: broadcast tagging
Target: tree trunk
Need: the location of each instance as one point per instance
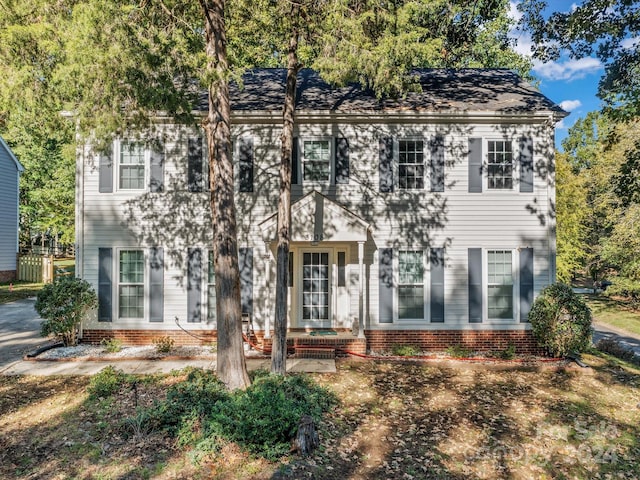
(231, 366)
(307, 439)
(279, 346)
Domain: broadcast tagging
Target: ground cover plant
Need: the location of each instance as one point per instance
(394, 420)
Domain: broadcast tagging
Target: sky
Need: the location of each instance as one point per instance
(570, 83)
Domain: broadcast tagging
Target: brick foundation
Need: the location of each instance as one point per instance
(439, 340)
(376, 340)
(146, 337)
(7, 276)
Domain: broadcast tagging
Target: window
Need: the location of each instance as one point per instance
(499, 165)
(316, 160)
(211, 289)
(411, 164)
(131, 284)
(410, 284)
(131, 166)
(500, 284)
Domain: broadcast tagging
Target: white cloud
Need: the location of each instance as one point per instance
(568, 70)
(514, 13)
(570, 105)
(560, 125)
(629, 43)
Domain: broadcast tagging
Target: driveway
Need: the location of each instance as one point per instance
(630, 341)
(19, 331)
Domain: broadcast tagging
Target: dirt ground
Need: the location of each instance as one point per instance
(395, 421)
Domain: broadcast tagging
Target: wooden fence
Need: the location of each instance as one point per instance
(35, 268)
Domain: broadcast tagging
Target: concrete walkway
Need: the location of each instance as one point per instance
(20, 334)
(90, 367)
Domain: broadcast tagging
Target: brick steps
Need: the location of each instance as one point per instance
(315, 352)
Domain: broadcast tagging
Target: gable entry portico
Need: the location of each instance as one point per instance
(324, 237)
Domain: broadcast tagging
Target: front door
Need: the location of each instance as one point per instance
(316, 290)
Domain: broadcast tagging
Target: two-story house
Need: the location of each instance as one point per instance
(426, 220)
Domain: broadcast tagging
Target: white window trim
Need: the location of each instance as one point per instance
(116, 285)
(332, 161)
(299, 283)
(515, 270)
(396, 162)
(147, 162)
(426, 288)
(485, 166)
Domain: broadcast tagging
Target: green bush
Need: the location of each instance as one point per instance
(405, 350)
(263, 418)
(111, 345)
(458, 351)
(106, 382)
(508, 353)
(561, 321)
(63, 305)
(164, 344)
(624, 287)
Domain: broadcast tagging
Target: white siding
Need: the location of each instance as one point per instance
(9, 178)
(455, 219)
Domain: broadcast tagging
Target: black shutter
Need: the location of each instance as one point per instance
(156, 177)
(436, 261)
(475, 165)
(105, 268)
(105, 167)
(386, 164)
(245, 164)
(294, 162)
(245, 265)
(526, 164)
(475, 285)
(156, 284)
(194, 285)
(437, 164)
(194, 158)
(526, 283)
(385, 285)
(342, 161)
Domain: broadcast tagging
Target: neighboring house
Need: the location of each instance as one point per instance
(427, 220)
(10, 169)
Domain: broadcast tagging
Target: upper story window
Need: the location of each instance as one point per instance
(500, 166)
(411, 164)
(131, 166)
(316, 160)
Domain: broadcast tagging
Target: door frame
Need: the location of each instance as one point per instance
(298, 291)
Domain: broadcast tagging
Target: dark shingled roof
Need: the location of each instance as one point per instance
(490, 90)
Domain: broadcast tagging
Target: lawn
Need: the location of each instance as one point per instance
(614, 312)
(394, 421)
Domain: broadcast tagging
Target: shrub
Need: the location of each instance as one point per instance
(615, 348)
(405, 350)
(624, 287)
(263, 418)
(106, 382)
(164, 344)
(458, 351)
(111, 345)
(508, 353)
(561, 321)
(63, 305)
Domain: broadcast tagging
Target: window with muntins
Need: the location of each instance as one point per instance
(411, 164)
(211, 289)
(410, 284)
(131, 166)
(131, 284)
(316, 160)
(500, 284)
(499, 165)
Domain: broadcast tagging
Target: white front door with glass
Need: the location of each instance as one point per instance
(316, 290)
